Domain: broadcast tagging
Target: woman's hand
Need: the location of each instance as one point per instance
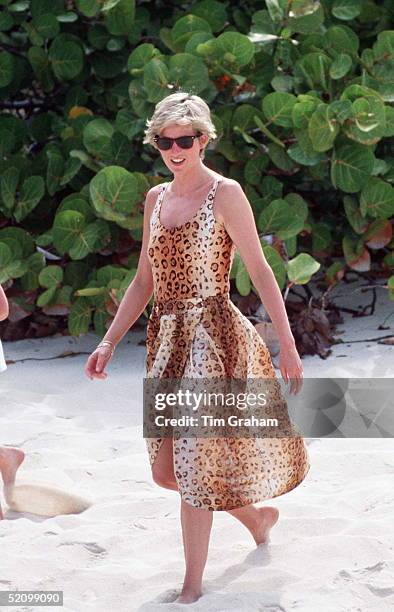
(97, 362)
(291, 368)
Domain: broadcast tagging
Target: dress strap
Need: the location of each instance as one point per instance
(211, 198)
(157, 206)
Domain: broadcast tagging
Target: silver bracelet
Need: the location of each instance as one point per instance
(107, 343)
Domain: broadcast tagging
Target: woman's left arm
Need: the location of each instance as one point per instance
(234, 208)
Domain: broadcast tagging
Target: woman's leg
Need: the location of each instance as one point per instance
(196, 526)
(163, 467)
(196, 529)
(10, 460)
(257, 520)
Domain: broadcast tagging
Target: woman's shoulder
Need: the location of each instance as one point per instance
(229, 191)
(225, 184)
(228, 187)
(155, 190)
(152, 195)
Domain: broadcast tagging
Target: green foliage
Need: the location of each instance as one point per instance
(302, 98)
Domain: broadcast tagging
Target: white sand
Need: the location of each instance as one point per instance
(332, 549)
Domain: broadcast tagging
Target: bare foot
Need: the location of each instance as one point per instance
(10, 460)
(188, 597)
(268, 518)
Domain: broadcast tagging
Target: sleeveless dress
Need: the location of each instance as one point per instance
(195, 330)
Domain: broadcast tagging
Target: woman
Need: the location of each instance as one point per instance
(191, 229)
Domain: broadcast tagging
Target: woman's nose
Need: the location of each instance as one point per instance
(175, 148)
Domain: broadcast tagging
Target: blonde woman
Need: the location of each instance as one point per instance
(192, 226)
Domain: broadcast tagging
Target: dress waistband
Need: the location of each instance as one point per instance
(187, 304)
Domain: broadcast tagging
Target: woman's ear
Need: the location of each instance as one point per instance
(203, 140)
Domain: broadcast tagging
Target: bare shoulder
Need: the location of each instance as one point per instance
(229, 195)
(152, 193)
(150, 198)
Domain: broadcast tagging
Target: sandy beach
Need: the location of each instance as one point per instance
(333, 546)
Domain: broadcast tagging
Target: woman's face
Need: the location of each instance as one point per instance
(177, 159)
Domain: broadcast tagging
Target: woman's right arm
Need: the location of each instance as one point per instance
(4, 308)
(134, 300)
(140, 289)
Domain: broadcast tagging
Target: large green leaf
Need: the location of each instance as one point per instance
(119, 19)
(279, 157)
(66, 58)
(73, 235)
(346, 9)
(97, 136)
(140, 56)
(243, 117)
(46, 26)
(321, 237)
(341, 39)
(89, 8)
(276, 263)
(279, 217)
(213, 12)
(278, 108)
(55, 168)
(323, 128)
(313, 69)
(32, 190)
(254, 169)
(156, 78)
(185, 27)
(6, 68)
(40, 63)
(50, 276)
(303, 110)
(367, 116)
(306, 16)
(351, 167)
(114, 194)
(236, 48)
(354, 215)
(9, 180)
(188, 72)
(340, 66)
(377, 199)
(5, 261)
(242, 279)
(80, 316)
(23, 239)
(301, 268)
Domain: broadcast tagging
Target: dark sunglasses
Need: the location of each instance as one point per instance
(184, 142)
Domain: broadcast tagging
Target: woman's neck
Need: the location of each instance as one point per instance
(186, 183)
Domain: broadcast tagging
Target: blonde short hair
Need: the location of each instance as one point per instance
(182, 108)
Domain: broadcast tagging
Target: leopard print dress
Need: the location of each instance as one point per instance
(195, 330)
